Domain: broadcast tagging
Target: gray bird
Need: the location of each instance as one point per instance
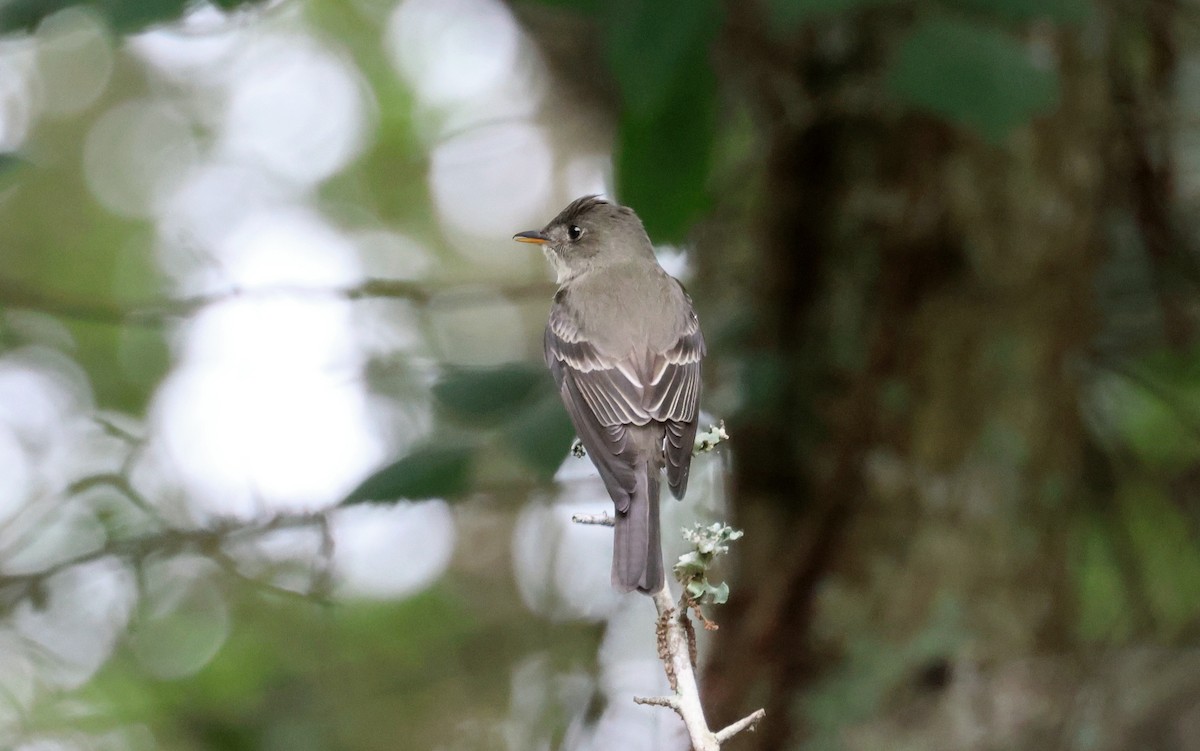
(624, 346)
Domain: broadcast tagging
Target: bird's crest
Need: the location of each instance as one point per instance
(585, 205)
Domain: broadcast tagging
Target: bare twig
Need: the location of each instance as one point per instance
(675, 635)
(603, 519)
(746, 723)
(670, 702)
(230, 566)
(159, 312)
(690, 632)
(689, 603)
(205, 540)
(678, 664)
(324, 575)
(118, 482)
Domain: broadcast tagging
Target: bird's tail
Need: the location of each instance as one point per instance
(637, 544)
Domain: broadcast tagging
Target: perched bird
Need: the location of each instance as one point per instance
(624, 346)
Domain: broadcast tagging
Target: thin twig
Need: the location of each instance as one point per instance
(676, 643)
(229, 565)
(746, 723)
(206, 540)
(603, 519)
(678, 663)
(156, 313)
(670, 702)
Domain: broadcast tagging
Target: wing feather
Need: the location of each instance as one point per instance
(604, 394)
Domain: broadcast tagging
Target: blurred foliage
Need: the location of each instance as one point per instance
(362, 675)
(859, 685)
(1021, 11)
(388, 179)
(972, 71)
(124, 16)
(480, 396)
(1157, 406)
(973, 75)
(429, 471)
(519, 402)
(1105, 611)
(541, 436)
(10, 162)
(658, 53)
(296, 675)
(1166, 556)
(1137, 570)
(514, 405)
(787, 13)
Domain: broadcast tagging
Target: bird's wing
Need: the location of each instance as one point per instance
(605, 394)
(679, 389)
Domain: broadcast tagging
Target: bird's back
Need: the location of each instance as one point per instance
(611, 294)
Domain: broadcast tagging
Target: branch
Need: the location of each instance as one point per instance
(746, 723)
(675, 650)
(229, 565)
(206, 540)
(677, 638)
(157, 313)
(603, 519)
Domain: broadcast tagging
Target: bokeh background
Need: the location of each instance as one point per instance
(280, 467)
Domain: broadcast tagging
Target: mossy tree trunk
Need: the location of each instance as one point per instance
(912, 463)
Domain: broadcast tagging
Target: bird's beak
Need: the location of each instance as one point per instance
(532, 236)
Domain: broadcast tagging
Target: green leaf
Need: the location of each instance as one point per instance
(134, 15)
(764, 379)
(1102, 602)
(25, 15)
(486, 396)
(429, 471)
(582, 6)
(690, 564)
(719, 594)
(1155, 404)
(10, 161)
(1168, 557)
(658, 51)
(124, 16)
(662, 163)
(542, 436)
(655, 47)
(1023, 11)
(973, 75)
(784, 13)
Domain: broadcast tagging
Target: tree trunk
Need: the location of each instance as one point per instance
(910, 452)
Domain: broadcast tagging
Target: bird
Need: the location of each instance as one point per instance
(624, 346)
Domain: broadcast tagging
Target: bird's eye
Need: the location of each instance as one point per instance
(574, 232)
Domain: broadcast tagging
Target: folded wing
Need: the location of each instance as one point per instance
(605, 394)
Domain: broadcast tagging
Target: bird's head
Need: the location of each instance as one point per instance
(590, 232)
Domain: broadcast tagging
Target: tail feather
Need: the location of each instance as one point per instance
(637, 544)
